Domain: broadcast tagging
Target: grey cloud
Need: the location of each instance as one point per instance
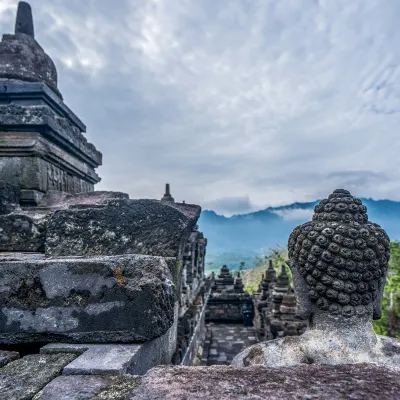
(231, 205)
(357, 178)
(269, 101)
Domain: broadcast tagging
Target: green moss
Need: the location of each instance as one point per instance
(120, 390)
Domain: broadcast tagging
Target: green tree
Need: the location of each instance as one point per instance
(252, 277)
(389, 324)
(279, 255)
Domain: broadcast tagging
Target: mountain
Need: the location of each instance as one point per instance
(243, 236)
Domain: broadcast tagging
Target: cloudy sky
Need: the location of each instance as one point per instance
(238, 104)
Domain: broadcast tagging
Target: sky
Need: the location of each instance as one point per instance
(239, 104)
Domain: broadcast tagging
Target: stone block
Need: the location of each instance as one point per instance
(22, 379)
(30, 161)
(114, 359)
(88, 300)
(121, 227)
(42, 147)
(9, 197)
(31, 197)
(101, 359)
(80, 387)
(7, 356)
(56, 199)
(22, 58)
(22, 233)
(117, 359)
(38, 93)
(61, 131)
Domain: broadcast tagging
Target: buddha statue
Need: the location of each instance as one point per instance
(339, 262)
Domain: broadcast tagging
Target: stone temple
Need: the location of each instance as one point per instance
(105, 297)
(84, 268)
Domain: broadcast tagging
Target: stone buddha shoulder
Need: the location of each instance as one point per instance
(339, 262)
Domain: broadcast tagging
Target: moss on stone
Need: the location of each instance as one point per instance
(120, 389)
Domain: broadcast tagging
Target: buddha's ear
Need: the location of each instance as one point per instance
(377, 311)
(305, 307)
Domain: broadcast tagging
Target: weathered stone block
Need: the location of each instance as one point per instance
(118, 359)
(356, 381)
(121, 227)
(9, 197)
(22, 379)
(32, 162)
(22, 233)
(22, 58)
(47, 121)
(41, 144)
(79, 387)
(96, 300)
(56, 199)
(7, 356)
(31, 197)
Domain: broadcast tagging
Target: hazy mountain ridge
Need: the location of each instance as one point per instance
(256, 232)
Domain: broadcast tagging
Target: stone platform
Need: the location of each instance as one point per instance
(43, 377)
(311, 382)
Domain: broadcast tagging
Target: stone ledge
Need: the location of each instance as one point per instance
(41, 118)
(352, 381)
(33, 144)
(38, 93)
(117, 359)
(107, 359)
(121, 227)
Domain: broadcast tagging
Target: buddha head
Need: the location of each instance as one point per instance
(339, 260)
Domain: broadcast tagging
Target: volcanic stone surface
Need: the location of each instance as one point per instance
(23, 59)
(95, 300)
(22, 233)
(95, 387)
(22, 379)
(55, 199)
(356, 381)
(121, 227)
(9, 197)
(7, 356)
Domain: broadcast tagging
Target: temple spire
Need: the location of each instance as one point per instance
(24, 20)
(167, 195)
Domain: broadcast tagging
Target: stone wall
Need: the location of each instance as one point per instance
(192, 348)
